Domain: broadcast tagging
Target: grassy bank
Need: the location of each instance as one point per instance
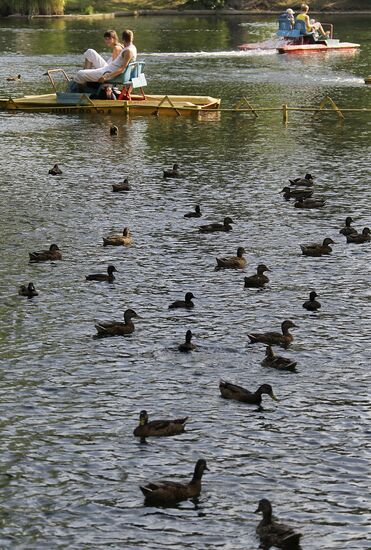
(95, 6)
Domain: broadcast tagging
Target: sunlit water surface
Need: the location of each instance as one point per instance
(70, 467)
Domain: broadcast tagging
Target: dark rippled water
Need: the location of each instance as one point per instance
(70, 467)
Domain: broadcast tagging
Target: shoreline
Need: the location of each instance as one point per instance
(180, 12)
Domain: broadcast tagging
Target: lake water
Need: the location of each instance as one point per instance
(70, 467)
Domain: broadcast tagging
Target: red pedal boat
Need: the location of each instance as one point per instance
(321, 46)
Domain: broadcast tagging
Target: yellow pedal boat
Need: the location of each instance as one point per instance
(137, 105)
(69, 101)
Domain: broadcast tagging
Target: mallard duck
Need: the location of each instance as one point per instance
(258, 280)
(158, 427)
(317, 249)
(187, 302)
(196, 214)
(55, 171)
(169, 492)
(119, 240)
(173, 172)
(113, 131)
(109, 277)
(307, 180)
(360, 238)
(52, 254)
(233, 262)
(312, 304)
(275, 338)
(187, 345)
(277, 361)
(13, 78)
(289, 193)
(348, 229)
(211, 227)
(117, 328)
(309, 203)
(124, 186)
(272, 533)
(28, 290)
(231, 391)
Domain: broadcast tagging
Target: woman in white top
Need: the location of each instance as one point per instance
(92, 59)
(98, 70)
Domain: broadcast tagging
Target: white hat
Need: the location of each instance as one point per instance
(290, 11)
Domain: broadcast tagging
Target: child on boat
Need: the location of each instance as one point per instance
(320, 33)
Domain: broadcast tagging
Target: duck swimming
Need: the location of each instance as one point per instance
(187, 345)
(307, 180)
(119, 240)
(109, 277)
(272, 533)
(312, 304)
(169, 492)
(360, 238)
(258, 280)
(173, 172)
(211, 227)
(277, 361)
(13, 78)
(231, 391)
(28, 290)
(117, 328)
(317, 249)
(348, 229)
(186, 303)
(289, 193)
(124, 186)
(114, 131)
(196, 214)
(309, 203)
(158, 428)
(275, 338)
(232, 262)
(52, 254)
(55, 171)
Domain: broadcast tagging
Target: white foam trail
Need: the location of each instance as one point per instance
(232, 53)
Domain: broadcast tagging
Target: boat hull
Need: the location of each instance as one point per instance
(151, 105)
(317, 48)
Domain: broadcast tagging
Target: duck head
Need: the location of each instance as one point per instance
(129, 314)
(313, 295)
(198, 209)
(240, 251)
(188, 336)
(200, 467)
(227, 221)
(285, 190)
(327, 241)
(53, 247)
(308, 177)
(143, 418)
(265, 507)
(189, 296)
(175, 167)
(366, 231)
(126, 232)
(267, 388)
(348, 221)
(286, 325)
(111, 269)
(269, 352)
(262, 268)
